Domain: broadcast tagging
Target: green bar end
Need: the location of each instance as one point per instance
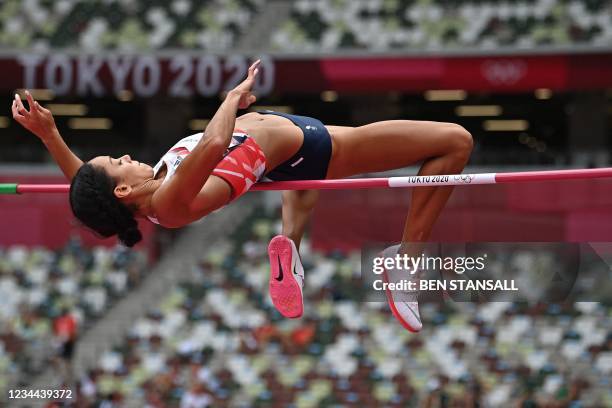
(8, 188)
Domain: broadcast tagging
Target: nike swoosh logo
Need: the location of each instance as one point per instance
(280, 268)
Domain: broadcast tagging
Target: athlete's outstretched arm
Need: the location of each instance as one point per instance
(193, 172)
(39, 121)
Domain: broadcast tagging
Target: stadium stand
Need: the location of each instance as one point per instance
(124, 25)
(215, 340)
(314, 25)
(38, 285)
(380, 25)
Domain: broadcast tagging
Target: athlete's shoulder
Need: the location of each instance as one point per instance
(169, 212)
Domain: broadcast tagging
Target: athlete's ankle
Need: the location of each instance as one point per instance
(295, 238)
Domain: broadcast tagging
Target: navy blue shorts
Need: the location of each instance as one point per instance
(312, 159)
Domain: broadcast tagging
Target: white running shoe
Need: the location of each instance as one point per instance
(286, 277)
(404, 305)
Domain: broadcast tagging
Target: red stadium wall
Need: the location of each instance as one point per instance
(572, 211)
(46, 219)
(187, 74)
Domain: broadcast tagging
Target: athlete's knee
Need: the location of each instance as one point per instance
(460, 140)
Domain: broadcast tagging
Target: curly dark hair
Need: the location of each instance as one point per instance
(93, 202)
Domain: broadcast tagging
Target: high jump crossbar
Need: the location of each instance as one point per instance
(388, 182)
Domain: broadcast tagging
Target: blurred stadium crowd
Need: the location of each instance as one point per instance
(38, 286)
(125, 25)
(409, 24)
(312, 25)
(216, 340)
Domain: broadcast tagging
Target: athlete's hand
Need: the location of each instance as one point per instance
(37, 120)
(244, 89)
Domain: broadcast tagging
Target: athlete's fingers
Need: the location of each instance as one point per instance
(31, 101)
(20, 108)
(254, 65)
(16, 115)
(40, 108)
(14, 108)
(253, 69)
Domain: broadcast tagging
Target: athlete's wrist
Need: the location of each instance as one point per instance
(49, 135)
(233, 94)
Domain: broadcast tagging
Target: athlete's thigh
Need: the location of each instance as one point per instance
(387, 145)
(333, 129)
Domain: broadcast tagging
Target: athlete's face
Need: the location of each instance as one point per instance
(124, 170)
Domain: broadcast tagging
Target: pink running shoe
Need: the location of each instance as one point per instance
(404, 305)
(286, 277)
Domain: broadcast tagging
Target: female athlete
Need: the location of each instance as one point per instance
(208, 170)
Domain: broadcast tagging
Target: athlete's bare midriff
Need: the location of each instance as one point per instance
(278, 137)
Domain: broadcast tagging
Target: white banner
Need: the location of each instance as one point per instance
(442, 180)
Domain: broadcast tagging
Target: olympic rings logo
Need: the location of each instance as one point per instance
(464, 178)
(504, 72)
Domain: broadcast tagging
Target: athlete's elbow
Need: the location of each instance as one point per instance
(213, 147)
(218, 147)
